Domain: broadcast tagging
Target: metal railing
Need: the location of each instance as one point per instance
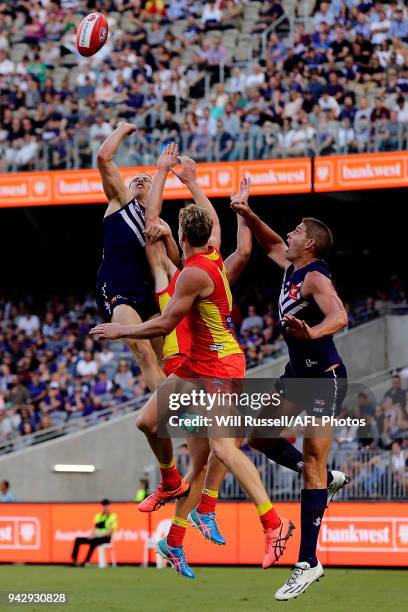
(272, 29)
(373, 476)
(255, 142)
(71, 425)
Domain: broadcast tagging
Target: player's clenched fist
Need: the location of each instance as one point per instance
(109, 331)
(128, 128)
(157, 231)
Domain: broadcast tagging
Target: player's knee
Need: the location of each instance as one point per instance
(197, 468)
(145, 424)
(144, 352)
(148, 357)
(221, 451)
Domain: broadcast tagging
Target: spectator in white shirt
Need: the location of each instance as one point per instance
(401, 108)
(293, 105)
(323, 15)
(380, 29)
(285, 137)
(256, 78)
(100, 130)
(124, 377)
(252, 320)
(329, 103)
(105, 357)
(211, 13)
(6, 65)
(87, 366)
(237, 81)
(29, 323)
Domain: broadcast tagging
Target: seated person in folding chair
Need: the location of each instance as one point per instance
(106, 523)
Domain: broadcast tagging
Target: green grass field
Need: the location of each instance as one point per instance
(215, 590)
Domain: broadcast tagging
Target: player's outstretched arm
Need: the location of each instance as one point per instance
(114, 186)
(237, 261)
(190, 284)
(156, 228)
(188, 175)
(273, 244)
(155, 198)
(321, 288)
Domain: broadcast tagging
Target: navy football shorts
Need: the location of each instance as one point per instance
(321, 394)
(108, 297)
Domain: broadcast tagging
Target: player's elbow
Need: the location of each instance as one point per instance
(343, 319)
(102, 156)
(244, 251)
(166, 326)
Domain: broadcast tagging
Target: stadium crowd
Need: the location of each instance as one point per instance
(228, 79)
(52, 372)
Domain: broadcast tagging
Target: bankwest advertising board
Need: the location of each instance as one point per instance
(285, 176)
(372, 534)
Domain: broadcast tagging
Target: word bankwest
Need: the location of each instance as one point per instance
(283, 421)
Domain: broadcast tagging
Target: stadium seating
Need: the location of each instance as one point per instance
(51, 97)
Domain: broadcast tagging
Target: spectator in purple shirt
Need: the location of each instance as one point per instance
(135, 98)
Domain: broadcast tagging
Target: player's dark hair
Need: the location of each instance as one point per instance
(196, 224)
(320, 233)
(6, 484)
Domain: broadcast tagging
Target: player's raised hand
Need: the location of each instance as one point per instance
(299, 329)
(128, 128)
(169, 156)
(156, 232)
(188, 171)
(108, 331)
(239, 201)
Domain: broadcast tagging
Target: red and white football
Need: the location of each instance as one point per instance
(91, 34)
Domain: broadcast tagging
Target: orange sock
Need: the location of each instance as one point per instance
(269, 518)
(170, 475)
(177, 531)
(208, 501)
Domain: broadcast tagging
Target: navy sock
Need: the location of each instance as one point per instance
(283, 452)
(313, 505)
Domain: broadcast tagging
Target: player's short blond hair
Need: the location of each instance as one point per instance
(196, 224)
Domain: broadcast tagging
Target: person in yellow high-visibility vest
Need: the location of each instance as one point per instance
(105, 524)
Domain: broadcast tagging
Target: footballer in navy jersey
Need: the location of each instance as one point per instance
(124, 288)
(310, 312)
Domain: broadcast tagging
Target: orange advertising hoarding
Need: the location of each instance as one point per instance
(268, 177)
(367, 534)
(352, 172)
(217, 180)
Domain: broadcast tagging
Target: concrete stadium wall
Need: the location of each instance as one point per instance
(120, 451)
(116, 448)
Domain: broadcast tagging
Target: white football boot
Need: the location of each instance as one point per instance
(340, 480)
(301, 578)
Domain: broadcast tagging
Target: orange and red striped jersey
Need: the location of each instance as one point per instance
(178, 341)
(210, 318)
